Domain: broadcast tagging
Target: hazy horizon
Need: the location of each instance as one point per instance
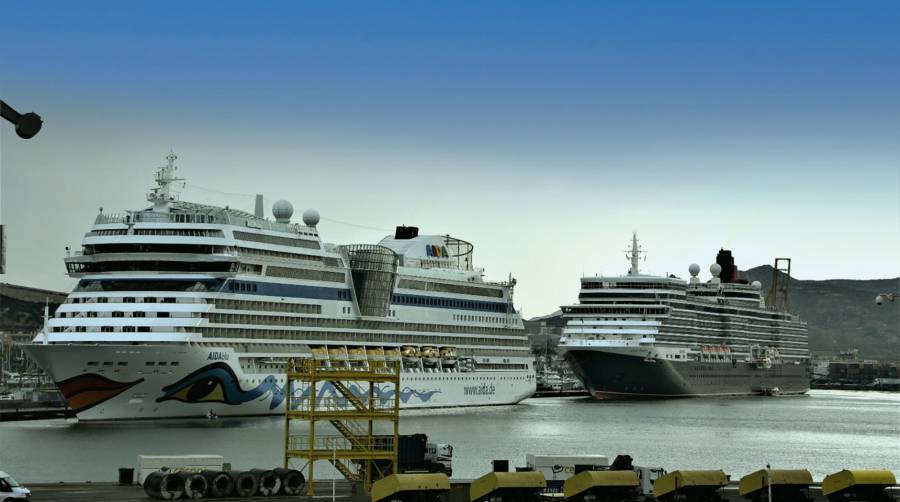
(542, 133)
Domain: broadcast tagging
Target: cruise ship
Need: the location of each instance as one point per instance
(188, 310)
(644, 336)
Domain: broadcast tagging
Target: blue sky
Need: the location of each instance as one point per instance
(544, 132)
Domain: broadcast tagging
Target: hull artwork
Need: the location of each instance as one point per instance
(189, 384)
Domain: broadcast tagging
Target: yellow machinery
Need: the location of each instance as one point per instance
(786, 484)
(353, 400)
(426, 487)
(508, 487)
(693, 486)
(601, 485)
(852, 485)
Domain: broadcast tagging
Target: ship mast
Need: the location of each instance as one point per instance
(163, 194)
(634, 255)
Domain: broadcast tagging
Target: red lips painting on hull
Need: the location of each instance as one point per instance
(86, 391)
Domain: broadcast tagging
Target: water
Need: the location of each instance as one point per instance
(824, 432)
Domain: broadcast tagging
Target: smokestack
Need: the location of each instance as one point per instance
(259, 206)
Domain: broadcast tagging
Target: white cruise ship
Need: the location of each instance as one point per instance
(183, 309)
(646, 336)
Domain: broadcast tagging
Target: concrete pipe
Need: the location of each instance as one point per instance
(246, 484)
(292, 481)
(219, 482)
(164, 486)
(269, 483)
(195, 485)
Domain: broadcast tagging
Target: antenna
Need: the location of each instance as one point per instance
(634, 255)
(165, 176)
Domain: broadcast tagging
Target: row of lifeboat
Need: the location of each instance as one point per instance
(428, 356)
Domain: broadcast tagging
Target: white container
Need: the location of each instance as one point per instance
(562, 467)
(178, 463)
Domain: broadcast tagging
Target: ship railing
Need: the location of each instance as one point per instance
(340, 443)
(223, 218)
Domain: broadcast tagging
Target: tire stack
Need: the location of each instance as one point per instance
(168, 485)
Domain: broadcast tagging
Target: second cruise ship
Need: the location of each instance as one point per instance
(183, 310)
(646, 336)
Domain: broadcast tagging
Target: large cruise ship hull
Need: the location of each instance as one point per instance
(130, 382)
(610, 376)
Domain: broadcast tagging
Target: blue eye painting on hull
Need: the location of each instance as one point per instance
(217, 383)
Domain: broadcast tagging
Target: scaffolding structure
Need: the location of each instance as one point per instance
(778, 297)
(355, 397)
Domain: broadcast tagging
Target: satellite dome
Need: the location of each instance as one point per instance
(694, 269)
(715, 269)
(311, 217)
(282, 211)
(756, 285)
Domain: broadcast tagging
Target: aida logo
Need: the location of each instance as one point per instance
(437, 251)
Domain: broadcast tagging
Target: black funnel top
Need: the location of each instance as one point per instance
(404, 232)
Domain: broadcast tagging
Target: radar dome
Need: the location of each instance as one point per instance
(756, 285)
(715, 269)
(282, 211)
(694, 269)
(311, 217)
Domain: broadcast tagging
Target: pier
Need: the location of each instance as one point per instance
(344, 491)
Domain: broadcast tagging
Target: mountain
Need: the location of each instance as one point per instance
(841, 314)
(22, 308)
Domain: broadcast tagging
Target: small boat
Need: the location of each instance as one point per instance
(448, 356)
(429, 356)
(410, 355)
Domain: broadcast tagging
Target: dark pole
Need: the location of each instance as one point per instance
(27, 124)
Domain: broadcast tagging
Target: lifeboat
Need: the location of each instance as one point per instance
(356, 353)
(319, 353)
(375, 353)
(410, 354)
(448, 356)
(429, 356)
(392, 354)
(337, 353)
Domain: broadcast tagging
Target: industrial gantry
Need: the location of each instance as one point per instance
(357, 398)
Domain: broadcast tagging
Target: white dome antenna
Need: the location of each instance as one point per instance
(715, 269)
(311, 217)
(694, 270)
(282, 211)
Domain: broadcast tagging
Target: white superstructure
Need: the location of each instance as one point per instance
(183, 308)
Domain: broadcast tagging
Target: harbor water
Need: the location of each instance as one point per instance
(824, 432)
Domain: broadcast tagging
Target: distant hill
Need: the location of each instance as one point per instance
(22, 308)
(841, 314)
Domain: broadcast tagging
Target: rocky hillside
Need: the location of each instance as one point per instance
(22, 308)
(842, 314)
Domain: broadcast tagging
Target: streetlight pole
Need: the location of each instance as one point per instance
(27, 124)
(769, 480)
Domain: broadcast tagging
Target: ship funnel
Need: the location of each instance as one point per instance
(258, 211)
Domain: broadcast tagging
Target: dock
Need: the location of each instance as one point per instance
(113, 492)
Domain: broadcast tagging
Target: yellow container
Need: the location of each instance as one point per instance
(592, 479)
(756, 481)
(494, 481)
(860, 477)
(397, 483)
(676, 480)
